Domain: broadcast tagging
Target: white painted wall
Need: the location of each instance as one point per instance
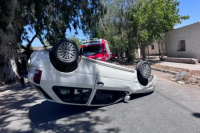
(151, 51)
(155, 51)
(137, 53)
(191, 35)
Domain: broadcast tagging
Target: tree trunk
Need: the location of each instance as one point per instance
(40, 38)
(148, 51)
(159, 48)
(8, 58)
(8, 49)
(143, 51)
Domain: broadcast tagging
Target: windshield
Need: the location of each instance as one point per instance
(89, 50)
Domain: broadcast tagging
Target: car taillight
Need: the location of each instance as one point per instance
(37, 76)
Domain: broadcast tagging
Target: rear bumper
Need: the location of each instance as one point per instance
(42, 92)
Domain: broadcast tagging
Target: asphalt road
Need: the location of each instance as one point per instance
(172, 108)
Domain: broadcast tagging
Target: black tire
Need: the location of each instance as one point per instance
(144, 69)
(142, 80)
(65, 52)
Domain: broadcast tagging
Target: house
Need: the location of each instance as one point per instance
(152, 49)
(184, 42)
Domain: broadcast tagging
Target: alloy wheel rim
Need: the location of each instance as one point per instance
(146, 70)
(67, 52)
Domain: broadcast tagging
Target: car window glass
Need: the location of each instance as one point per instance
(93, 49)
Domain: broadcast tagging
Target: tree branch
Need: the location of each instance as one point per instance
(29, 43)
(41, 40)
(22, 46)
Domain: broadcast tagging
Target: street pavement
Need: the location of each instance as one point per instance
(172, 108)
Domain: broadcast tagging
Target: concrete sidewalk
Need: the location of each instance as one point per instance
(181, 65)
(156, 60)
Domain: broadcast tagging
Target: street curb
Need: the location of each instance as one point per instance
(165, 71)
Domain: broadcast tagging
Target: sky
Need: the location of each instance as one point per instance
(191, 8)
(187, 7)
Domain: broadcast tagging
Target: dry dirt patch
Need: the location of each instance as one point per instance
(190, 78)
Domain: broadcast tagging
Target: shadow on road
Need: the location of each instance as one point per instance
(23, 110)
(66, 118)
(49, 111)
(136, 96)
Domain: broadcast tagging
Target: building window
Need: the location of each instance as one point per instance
(152, 46)
(181, 45)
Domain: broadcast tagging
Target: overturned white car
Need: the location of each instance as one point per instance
(62, 76)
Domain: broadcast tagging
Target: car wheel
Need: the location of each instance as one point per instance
(144, 69)
(65, 51)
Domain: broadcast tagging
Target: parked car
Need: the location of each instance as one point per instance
(61, 76)
(96, 48)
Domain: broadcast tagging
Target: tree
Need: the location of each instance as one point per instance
(8, 41)
(114, 27)
(76, 40)
(47, 19)
(50, 19)
(151, 19)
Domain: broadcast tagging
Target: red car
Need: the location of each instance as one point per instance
(96, 48)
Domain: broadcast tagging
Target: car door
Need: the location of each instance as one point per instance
(74, 87)
(111, 83)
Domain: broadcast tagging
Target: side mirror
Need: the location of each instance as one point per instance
(104, 51)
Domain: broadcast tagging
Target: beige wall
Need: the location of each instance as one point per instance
(155, 51)
(191, 35)
(137, 53)
(151, 51)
